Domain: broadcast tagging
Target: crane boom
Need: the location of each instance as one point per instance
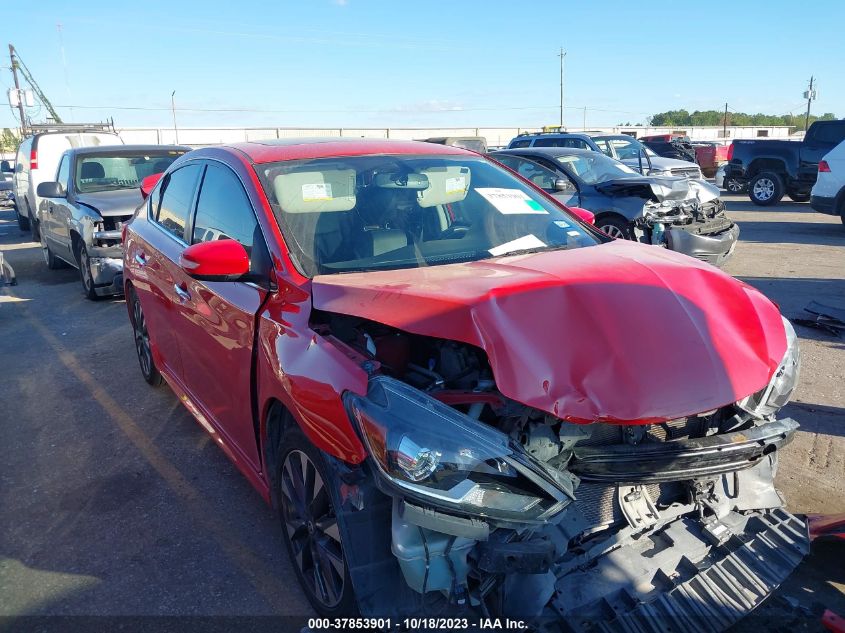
(17, 62)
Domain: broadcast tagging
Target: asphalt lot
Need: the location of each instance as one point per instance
(113, 501)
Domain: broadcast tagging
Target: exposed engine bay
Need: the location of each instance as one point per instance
(537, 517)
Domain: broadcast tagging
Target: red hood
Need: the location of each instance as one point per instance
(617, 332)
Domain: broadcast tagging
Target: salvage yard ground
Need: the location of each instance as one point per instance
(114, 502)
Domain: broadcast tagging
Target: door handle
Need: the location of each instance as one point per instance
(140, 259)
(182, 293)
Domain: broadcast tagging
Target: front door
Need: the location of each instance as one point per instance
(216, 327)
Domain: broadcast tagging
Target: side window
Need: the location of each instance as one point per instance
(175, 199)
(549, 142)
(603, 147)
(223, 209)
(540, 176)
(63, 172)
(517, 144)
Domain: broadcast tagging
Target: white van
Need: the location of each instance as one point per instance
(828, 194)
(38, 158)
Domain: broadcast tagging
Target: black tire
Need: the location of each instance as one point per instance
(142, 341)
(23, 222)
(310, 526)
(85, 275)
(798, 197)
(765, 189)
(616, 227)
(732, 185)
(53, 262)
(36, 230)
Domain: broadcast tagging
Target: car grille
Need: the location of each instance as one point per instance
(687, 172)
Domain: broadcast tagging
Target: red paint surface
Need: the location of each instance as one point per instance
(617, 332)
(833, 621)
(826, 526)
(220, 258)
(149, 183)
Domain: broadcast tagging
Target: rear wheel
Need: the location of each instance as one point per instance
(310, 526)
(733, 185)
(765, 189)
(23, 222)
(142, 342)
(616, 227)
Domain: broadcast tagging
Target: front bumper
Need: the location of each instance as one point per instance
(823, 204)
(107, 273)
(714, 249)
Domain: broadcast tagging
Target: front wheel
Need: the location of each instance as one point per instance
(85, 273)
(142, 342)
(765, 189)
(310, 526)
(53, 262)
(615, 227)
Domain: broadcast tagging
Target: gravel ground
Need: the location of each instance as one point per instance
(114, 502)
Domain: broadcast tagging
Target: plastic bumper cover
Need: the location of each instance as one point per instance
(714, 249)
(107, 273)
(823, 204)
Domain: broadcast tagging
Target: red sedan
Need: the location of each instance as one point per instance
(462, 398)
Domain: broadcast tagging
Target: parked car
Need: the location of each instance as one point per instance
(474, 143)
(828, 194)
(461, 398)
(670, 146)
(38, 156)
(94, 193)
(710, 156)
(619, 146)
(731, 185)
(771, 168)
(7, 195)
(680, 214)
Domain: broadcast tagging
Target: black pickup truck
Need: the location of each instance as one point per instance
(773, 168)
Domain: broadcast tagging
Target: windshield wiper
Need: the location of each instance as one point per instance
(528, 251)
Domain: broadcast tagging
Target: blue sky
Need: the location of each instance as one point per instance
(376, 63)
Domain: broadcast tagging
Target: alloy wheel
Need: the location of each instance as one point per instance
(733, 186)
(764, 189)
(613, 231)
(85, 270)
(142, 338)
(312, 529)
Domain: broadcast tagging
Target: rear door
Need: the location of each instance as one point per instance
(154, 259)
(216, 324)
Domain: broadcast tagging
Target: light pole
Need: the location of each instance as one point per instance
(173, 110)
(562, 56)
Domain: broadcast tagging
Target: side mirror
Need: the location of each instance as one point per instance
(562, 184)
(220, 260)
(6, 167)
(51, 190)
(149, 183)
(582, 214)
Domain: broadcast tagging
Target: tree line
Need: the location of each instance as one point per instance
(678, 118)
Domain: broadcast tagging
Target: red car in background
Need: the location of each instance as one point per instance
(461, 398)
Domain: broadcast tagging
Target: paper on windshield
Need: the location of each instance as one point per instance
(521, 243)
(511, 201)
(317, 191)
(456, 185)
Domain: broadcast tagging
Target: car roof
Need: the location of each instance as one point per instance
(546, 151)
(554, 135)
(330, 147)
(126, 149)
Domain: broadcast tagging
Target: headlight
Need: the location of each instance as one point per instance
(777, 393)
(660, 172)
(426, 450)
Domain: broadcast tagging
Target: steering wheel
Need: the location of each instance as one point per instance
(455, 231)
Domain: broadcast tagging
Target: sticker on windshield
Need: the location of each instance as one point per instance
(519, 244)
(458, 184)
(316, 192)
(562, 224)
(511, 201)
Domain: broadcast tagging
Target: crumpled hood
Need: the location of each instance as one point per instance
(618, 332)
(120, 202)
(660, 188)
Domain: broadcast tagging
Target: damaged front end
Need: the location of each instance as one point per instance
(499, 508)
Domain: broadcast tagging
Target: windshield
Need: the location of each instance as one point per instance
(592, 168)
(384, 212)
(110, 171)
(627, 149)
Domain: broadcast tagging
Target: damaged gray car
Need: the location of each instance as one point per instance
(82, 212)
(684, 215)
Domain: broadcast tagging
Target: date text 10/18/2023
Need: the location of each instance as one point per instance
(420, 623)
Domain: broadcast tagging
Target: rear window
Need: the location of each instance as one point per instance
(518, 144)
(833, 132)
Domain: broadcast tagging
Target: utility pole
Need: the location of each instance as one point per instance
(173, 110)
(725, 123)
(562, 56)
(810, 94)
(585, 119)
(18, 89)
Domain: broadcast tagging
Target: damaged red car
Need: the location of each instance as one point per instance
(462, 398)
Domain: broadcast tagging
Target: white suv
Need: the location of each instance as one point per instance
(828, 194)
(38, 157)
